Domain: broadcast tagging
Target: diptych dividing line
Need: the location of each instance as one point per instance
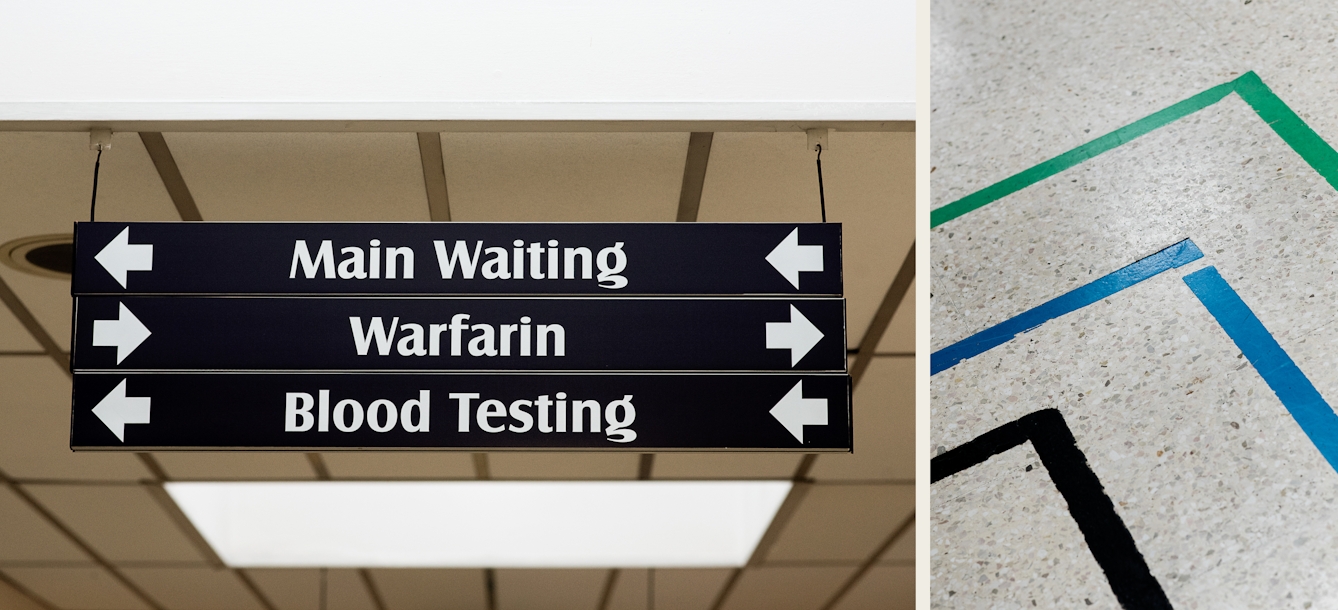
(1107, 537)
(1291, 128)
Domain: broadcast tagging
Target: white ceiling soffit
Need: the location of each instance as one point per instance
(504, 524)
(510, 60)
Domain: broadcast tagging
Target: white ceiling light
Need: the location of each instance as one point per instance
(482, 523)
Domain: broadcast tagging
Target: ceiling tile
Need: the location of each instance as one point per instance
(399, 465)
(194, 588)
(902, 550)
(120, 522)
(526, 465)
(13, 599)
(725, 465)
(884, 417)
(675, 589)
(77, 588)
(13, 336)
(869, 180)
(47, 299)
(248, 465)
(412, 589)
(786, 588)
(35, 437)
(302, 176)
(842, 522)
(900, 334)
(625, 177)
(297, 589)
(882, 588)
(26, 536)
(543, 589)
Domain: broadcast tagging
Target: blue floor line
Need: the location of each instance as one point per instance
(1174, 256)
(1305, 403)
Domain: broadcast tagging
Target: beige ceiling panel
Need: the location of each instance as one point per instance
(35, 435)
(13, 599)
(120, 522)
(46, 181)
(725, 465)
(675, 589)
(525, 465)
(302, 176)
(47, 299)
(26, 536)
(561, 177)
(77, 588)
(842, 522)
(13, 336)
(786, 588)
(544, 589)
(901, 551)
(194, 588)
(869, 180)
(246, 465)
(900, 334)
(297, 589)
(884, 419)
(412, 589)
(399, 465)
(882, 588)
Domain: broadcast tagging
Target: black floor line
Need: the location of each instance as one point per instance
(1109, 540)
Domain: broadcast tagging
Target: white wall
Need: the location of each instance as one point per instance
(478, 60)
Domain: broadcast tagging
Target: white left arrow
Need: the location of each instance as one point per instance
(117, 410)
(790, 258)
(121, 257)
(124, 333)
(798, 335)
(794, 411)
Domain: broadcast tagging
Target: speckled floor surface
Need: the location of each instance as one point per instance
(1227, 499)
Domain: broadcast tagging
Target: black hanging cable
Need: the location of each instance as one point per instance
(822, 198)
(93, 206)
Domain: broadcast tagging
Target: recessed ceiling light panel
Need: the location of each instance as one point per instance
(482, 523)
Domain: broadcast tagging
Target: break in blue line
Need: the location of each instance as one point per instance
(1307, 407)
(1173, 256)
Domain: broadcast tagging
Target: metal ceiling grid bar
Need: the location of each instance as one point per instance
(166, 164)
(372, 591)
(79, 542)
(868, 563)
(721, 597)
(481, 471)
(255, 590)
(24, 591)
(694, 175)
(434, 176)
(607, 594)
(318, 465)
(896, 293)
(29, 322)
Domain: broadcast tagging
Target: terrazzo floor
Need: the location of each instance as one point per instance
(1228, 500)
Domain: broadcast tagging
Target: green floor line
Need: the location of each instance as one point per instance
(1294, 131)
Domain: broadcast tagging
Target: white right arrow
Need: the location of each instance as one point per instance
(798, 335)
(124, 333)
(121, 257)
(117, 410)
(794, 411)
(789, 258)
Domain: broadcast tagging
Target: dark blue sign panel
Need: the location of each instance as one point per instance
(323, 411)
(444, 333)
(606, 259)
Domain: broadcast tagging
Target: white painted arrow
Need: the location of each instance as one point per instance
(117, 410)
(124, 333)
(794, 411)
(121, 257)
(789, 258)
(798, 335)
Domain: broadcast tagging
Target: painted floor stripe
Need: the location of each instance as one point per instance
(1305, 403)
(1291, 128)
(1173, 256)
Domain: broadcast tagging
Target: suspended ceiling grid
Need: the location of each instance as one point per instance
(97, 532)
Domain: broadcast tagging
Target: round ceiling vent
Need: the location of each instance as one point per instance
(45, 255)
